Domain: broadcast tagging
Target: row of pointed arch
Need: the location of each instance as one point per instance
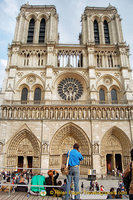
(103, 96)
(96, 32)
(37, 95)
(31, 29)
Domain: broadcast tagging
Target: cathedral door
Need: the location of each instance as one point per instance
(109, 163)
(24, 150)
(29, 161)
(118, 162)
(20, 163)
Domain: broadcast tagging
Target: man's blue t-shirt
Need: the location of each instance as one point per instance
(74, 158)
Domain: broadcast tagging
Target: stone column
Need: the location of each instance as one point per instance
(20, 29)
(84, 30)
(119, 29)
(45, 156)
(36, 31)
(90, 30)
(113, 161)
(49, 72)
(25, 31)
(111, 32)
(25, 162)
(101, 32)
(96, 159)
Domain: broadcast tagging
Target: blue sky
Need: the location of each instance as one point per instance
(69, 12)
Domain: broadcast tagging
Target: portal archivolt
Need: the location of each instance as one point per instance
(63, 141)
(24, 150)
(115, 147)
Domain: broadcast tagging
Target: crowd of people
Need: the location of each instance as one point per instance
(50, 185)
(38, 184)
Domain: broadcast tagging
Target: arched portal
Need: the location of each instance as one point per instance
(115, 151)
(63, 141)
(24, 150)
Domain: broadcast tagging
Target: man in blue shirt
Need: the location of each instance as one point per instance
(74, 161)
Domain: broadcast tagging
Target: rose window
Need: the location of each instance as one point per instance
(70, 89)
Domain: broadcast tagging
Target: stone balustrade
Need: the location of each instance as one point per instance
(67, 112)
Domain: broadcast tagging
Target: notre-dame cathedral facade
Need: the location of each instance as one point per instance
(55, 95)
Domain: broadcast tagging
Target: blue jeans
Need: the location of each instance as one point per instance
(74, 172)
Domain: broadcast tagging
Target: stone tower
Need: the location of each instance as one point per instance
(57, 94)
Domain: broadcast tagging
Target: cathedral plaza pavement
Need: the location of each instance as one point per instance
(84, 195)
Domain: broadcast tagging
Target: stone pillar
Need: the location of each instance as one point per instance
(51, 31)
(25, 162)
(111, 32)
(36, 31)
(49, 72)
(113, 161)
(119, 29)
(45, 157)
(83, 39)
(25, 35)
(20, 29)
(45, 163)
(96, 159)
(101, 32)
(90, 30)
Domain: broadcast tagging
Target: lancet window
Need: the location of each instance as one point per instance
(42, 31)
(24, 96)
(31, 31)
(37, 96)
(106, 32)
(101, 96)
(114, 96)
(96, 32)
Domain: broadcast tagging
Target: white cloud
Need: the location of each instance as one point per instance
(3, 63)
(8, 13)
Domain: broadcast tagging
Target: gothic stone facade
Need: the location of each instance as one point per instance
(56, 94)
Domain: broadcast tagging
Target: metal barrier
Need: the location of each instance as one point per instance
(11, 185)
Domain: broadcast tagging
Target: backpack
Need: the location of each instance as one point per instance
(127, 179)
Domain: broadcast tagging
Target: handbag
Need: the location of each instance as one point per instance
(127, 179)
(65, 168)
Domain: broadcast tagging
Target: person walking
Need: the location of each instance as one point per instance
(126, 173)
(74, 161)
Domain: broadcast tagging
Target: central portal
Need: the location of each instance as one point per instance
(63, 141)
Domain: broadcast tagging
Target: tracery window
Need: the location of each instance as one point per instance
(114, 96)
(70, 89)
(37, 96)
(106, 32)
(96, 32)
(101, 96)
(24, 96)
(31, 31)
(42, 31)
